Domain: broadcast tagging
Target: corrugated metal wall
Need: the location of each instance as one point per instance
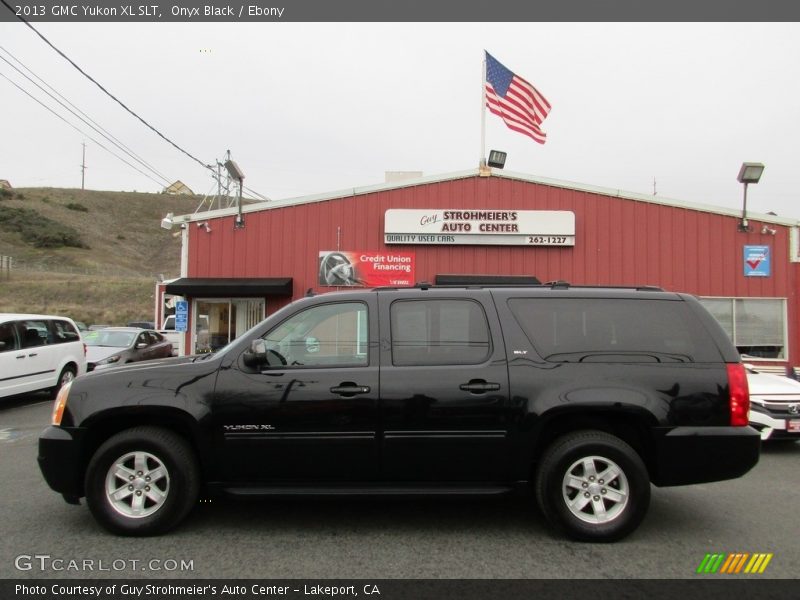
(618, 242)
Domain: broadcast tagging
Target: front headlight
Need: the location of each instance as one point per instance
(108, 361)
(60, 404)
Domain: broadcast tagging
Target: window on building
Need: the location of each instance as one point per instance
(439, 332)
(757, 326)
(219, 322)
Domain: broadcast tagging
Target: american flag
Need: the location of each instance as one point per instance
(514, 100)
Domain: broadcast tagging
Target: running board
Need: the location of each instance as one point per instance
(368, 490)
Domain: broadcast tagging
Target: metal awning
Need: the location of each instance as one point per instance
(205, 287)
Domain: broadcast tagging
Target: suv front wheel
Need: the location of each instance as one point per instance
(142, 481)
(593, 485)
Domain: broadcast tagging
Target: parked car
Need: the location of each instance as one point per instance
(115, 346)
(38, 352)
(774, 405)
(142, 324)
(81, 326)
(589, 394)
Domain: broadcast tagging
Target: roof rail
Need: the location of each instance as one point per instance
(555, 285)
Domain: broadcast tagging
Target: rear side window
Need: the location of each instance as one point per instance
(439, 332)
(619, 330)
(64, 332)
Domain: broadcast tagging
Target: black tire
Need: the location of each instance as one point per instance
(67, 374)
(613, 507)
(165, 478)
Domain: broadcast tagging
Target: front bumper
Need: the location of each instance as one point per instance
(772, 424)
(686, 455)
(61, 462)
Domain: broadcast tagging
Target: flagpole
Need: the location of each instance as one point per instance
(482, 162)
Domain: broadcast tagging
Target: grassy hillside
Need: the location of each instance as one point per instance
(90, 255)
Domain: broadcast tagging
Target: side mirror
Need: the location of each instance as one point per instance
(256, 356)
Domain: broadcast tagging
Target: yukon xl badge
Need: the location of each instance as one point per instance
(249, 428)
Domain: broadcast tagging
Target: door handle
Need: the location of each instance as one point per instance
(349, 389)
(478, 386)
(33, 354)
(20, 356)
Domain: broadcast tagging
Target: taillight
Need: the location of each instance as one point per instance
(739, 395)
(60, 403)
(84, 350)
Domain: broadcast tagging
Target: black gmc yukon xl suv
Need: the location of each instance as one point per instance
(589, 394)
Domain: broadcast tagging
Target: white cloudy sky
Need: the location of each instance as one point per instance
(316, 107)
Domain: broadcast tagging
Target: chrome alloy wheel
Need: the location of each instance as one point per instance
(595, 490)
(66, 377)
(137, 484)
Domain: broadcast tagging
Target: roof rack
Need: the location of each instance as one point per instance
(553, 285)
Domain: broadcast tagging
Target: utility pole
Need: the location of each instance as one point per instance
(83, 166)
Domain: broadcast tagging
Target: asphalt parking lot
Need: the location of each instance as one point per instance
(389, 537)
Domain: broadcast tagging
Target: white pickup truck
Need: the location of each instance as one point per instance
(175, 337)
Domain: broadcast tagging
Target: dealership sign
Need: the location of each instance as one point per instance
(371, 269)
(480, 226)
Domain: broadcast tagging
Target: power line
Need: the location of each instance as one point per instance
(109, 94)
(110, 135)
(24, 91)
(91, 124)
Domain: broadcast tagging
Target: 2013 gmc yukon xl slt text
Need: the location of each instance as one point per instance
(589, 394)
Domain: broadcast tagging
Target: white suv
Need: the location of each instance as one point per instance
(38, 352)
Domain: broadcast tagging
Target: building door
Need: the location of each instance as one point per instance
(218, 322)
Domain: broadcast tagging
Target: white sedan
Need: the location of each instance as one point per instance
(774, 405)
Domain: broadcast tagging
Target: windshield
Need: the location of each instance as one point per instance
(114, 339)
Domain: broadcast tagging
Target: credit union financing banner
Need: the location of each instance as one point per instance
(370, 269)
(480, 226)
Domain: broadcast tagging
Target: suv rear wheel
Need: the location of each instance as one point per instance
(593, 486)
(142, 481)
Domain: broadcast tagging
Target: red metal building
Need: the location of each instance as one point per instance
(522, 225)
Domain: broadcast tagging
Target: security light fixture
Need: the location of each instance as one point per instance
(167, 222)
(237, 175)
(205, 225)
(748, 173)
(497, 159)
(234, 171)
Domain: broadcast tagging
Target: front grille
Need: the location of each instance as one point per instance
(778, 409)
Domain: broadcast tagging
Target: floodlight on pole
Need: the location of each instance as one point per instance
(237, 175)
(497, 159)
(749, 172)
